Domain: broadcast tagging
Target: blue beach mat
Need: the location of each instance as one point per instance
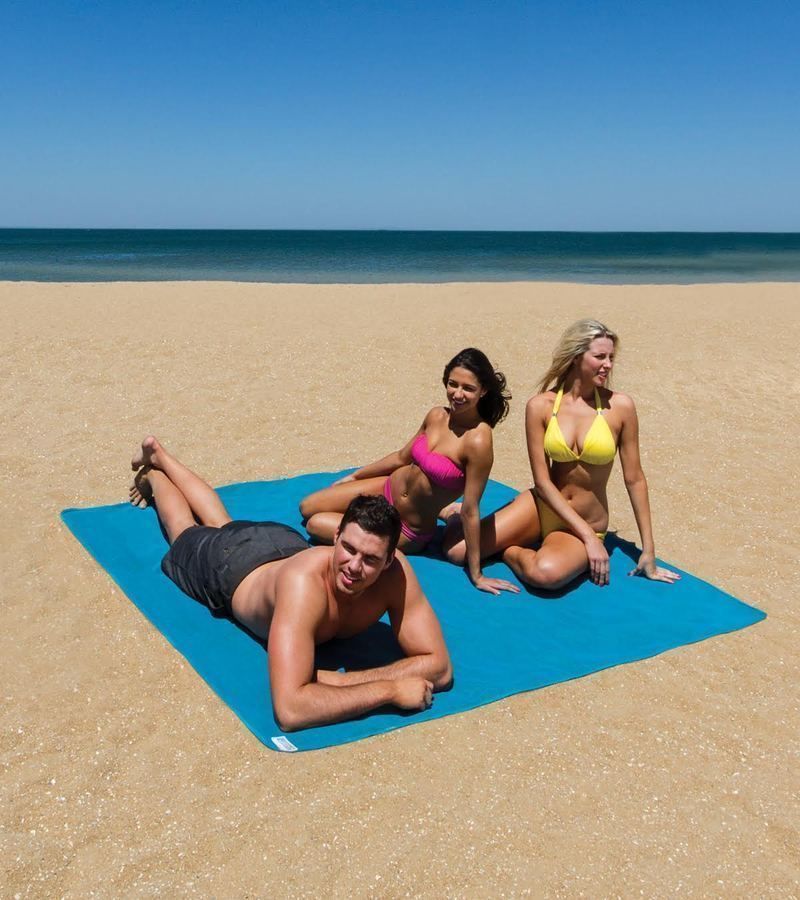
(499, 645)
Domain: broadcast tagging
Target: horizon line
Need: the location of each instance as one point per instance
(399, 230)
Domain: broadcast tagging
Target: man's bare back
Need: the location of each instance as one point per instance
(254, 601)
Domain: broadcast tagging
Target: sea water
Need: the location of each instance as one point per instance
(395, 256)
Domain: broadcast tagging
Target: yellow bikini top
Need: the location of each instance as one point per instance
(599, 446)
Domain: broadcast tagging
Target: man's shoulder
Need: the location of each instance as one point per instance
(313, 558)
(397, 580)
(304, 573)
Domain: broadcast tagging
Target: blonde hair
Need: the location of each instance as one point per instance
(573, 342)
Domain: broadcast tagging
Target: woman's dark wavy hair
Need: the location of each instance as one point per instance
(493, 405)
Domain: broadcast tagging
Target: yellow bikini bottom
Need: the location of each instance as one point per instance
(551, 521)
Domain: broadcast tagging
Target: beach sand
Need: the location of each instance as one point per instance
(123, 775)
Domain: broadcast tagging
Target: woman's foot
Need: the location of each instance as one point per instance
(141, 492)
(147, 454)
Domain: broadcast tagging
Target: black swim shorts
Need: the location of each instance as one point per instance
(209, 564)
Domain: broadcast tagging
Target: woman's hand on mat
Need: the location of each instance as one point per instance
(647, 567)
(598, 561)
(345, 479)
(413, 693)
(494, 585)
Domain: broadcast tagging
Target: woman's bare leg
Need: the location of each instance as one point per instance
(179, 496)
(517, 523)
(561, 558)
(337, 497)
(323, 526)
(511, 531)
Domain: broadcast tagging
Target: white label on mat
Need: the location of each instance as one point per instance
(284, 744)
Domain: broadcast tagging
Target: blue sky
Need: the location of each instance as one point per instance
(308, 114)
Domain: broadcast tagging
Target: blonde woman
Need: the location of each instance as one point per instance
(575, 426)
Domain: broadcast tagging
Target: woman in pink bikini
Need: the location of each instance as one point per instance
(450, 455)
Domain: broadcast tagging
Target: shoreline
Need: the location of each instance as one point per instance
(360, 284)
(386, 257)
(662, 775)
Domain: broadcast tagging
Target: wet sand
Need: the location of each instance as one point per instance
(123, 775)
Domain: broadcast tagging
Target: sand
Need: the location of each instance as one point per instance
(123, 775)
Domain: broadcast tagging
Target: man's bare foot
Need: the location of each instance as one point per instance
(452, 509)
(141, 492)
(145, 455)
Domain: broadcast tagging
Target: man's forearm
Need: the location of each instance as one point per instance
(323, 704)
(426, 666)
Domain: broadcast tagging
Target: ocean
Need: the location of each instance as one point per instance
(396, 256)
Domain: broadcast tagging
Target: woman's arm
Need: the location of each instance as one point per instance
(479, 458)
(387, 464)
(636, 485)
(537, 413)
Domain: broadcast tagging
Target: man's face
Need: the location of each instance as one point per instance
(359, 558)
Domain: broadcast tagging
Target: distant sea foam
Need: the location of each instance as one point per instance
(396, 256)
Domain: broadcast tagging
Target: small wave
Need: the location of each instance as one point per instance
(117, 257)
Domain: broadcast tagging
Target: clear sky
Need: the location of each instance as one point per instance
(430, 114)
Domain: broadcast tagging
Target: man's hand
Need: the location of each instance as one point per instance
(413, 693)
(345, 479)
(331, 677)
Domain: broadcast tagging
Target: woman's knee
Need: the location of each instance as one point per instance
(309, 506)
(323, 526)
(313, 524)
(545, 574)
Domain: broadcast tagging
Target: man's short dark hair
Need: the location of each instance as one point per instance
(376, 515)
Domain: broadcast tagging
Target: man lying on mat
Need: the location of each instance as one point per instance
(267, 577)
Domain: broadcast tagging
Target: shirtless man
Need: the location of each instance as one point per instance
(267, 577)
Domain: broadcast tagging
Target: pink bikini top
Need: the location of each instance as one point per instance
(440, 469)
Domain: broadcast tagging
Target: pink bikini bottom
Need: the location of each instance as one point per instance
(418, 537)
